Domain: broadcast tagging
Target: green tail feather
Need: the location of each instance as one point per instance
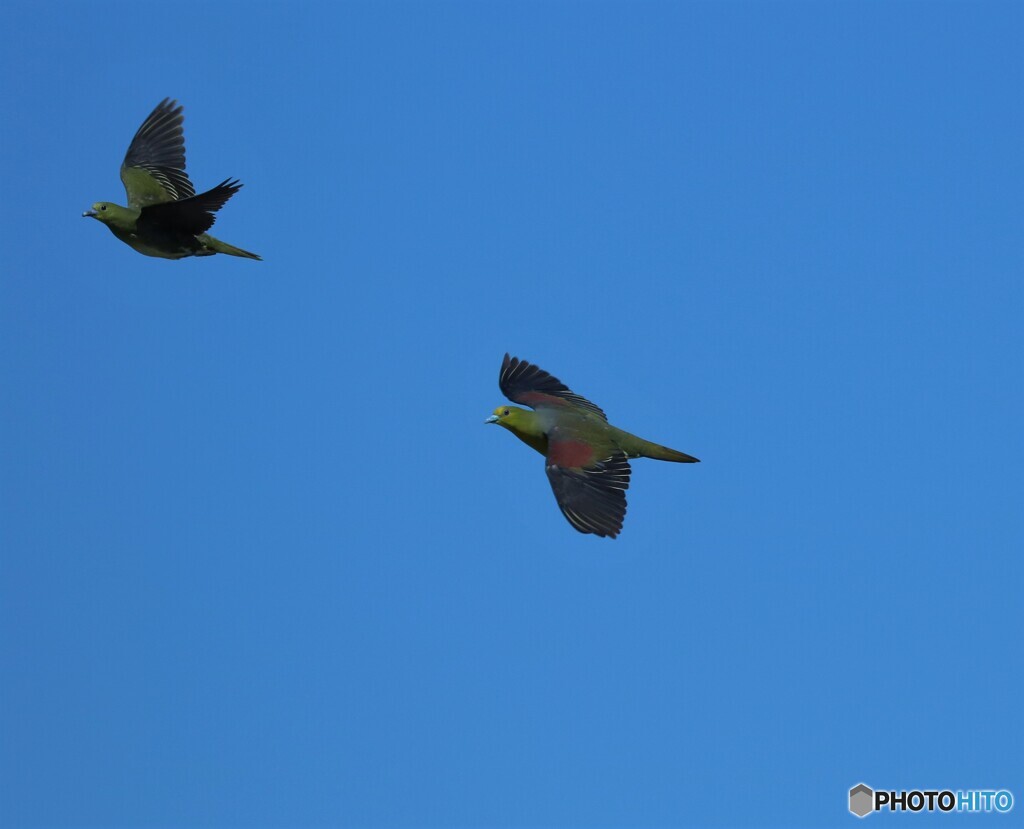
(663, 453)
(217, 246)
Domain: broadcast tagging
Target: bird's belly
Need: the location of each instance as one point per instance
(149, 249)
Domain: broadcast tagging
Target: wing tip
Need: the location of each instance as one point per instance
(593, 499)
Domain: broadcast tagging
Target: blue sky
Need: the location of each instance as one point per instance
(263, 564)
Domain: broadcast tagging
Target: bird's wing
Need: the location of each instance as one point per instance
(523, 382)
(591, 493)
(193, 215)
(153, 170)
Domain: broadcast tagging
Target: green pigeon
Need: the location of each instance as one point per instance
(586, 458)
(164, 216)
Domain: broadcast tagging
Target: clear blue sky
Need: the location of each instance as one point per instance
(263, 564)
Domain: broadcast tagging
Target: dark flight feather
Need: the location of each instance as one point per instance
(525, 383)
(593, 499)
(193, 215)
(159, 148)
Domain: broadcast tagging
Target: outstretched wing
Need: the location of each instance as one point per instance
(523, 382)
(193, 215)
(591, 492)
(153, 170)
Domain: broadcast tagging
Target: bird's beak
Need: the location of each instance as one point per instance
(492, 419)
(90, 213)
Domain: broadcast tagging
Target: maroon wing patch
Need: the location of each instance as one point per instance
(592, 498)
(569, 452)
(523, 382)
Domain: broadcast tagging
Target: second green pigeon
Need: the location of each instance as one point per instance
(164, 216)
(586, 458)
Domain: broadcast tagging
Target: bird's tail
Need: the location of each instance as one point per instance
(663, 453)
(217, 246)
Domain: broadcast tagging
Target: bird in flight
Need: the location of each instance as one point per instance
(164, 216)
(586, 458)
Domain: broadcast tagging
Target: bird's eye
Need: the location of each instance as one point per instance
(104, 207)
(505, 413)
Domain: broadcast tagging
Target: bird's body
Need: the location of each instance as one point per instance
(596, 437)
(164, 217)
(164, 240)
(587, 459)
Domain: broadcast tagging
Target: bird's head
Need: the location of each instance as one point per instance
(512, 418)
(98, 211)
(522, 423)
(104, 211)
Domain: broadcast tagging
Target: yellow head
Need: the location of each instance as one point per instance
(522, 423)
(508, 416)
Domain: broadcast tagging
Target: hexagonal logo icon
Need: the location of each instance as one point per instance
(862, 800)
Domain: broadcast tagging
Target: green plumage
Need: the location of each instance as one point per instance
(586, 458)
(164, 217)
